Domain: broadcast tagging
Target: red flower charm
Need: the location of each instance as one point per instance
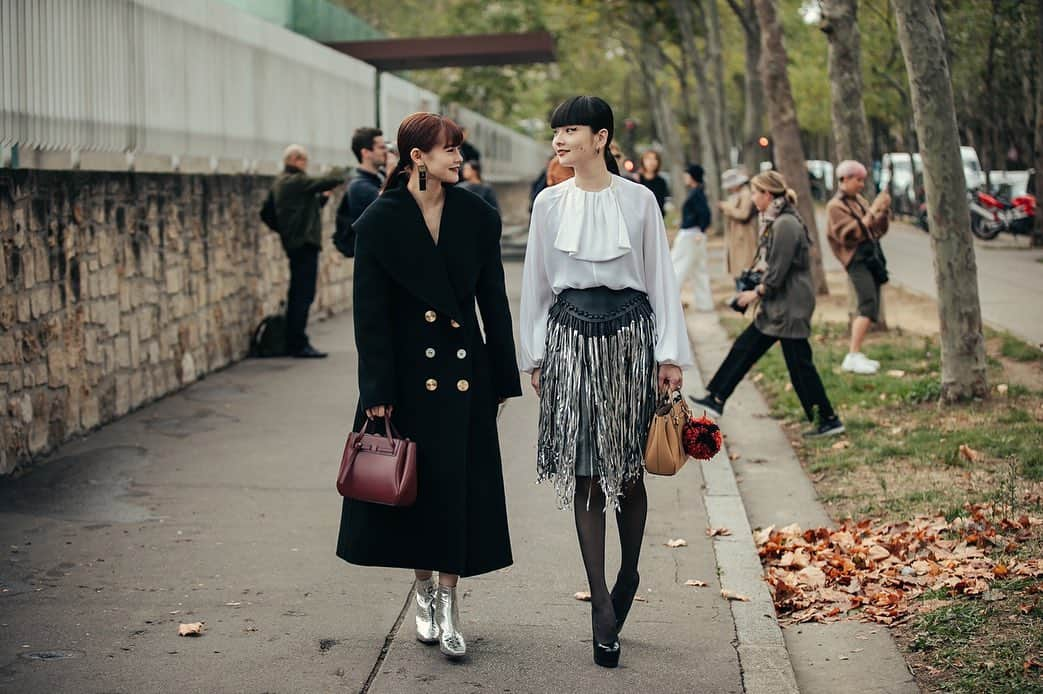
(702, 438)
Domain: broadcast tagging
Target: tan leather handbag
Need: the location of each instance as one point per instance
(664, 451)
(380, 469)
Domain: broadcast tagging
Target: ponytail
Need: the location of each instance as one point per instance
(791, 196)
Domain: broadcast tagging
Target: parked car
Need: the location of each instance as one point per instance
(898, 174)
(1012, 184)
(821, 175)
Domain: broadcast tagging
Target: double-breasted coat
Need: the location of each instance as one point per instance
(421, 350)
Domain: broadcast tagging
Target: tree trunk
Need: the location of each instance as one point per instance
(1037, 237)
(955, 269)
(753, 88)
(785, 131)
(707, 113)
(753, 115)
(716, 60)
(850, 127)
(651, 64)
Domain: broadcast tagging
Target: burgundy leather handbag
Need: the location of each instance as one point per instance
(380, 469)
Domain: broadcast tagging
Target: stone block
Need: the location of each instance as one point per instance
(111, 315)
(122, 394)
(106, 249)
(123, 360)
(188, 369)
(21, 407)
(146, 323)
(8, 311)
(40, 301)
(137, 389)
(25, 312)
(173, 280)
(56, 367)
(110, 280)
(41, 262)
(90, 415)
(94, 283)
(91, 351)
(28, 271)
(126, 304)
(153, 352)
(9, 351)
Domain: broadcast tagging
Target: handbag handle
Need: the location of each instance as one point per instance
(389, 429)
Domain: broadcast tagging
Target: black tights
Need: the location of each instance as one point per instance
(608, 610)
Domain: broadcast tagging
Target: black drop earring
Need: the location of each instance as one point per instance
(423, 177)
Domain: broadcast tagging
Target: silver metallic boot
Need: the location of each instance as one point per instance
(447, 616)
(424, 596)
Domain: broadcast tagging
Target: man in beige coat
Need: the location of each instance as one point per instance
(740, 235)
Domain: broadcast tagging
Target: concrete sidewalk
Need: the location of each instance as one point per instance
(218, 505)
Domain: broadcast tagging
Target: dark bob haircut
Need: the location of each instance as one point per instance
(423, 131)
(592, 111)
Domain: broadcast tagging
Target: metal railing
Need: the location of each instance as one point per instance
(196, 85)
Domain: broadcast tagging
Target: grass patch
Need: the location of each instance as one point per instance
(1019, 350)
(902, 457)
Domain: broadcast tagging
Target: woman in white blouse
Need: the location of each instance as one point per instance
(602, 333)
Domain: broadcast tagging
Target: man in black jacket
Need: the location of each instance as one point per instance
(371, 150)
(298, 198)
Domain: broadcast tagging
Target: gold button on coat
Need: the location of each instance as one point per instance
(461, 353)
(430, 316)
(430, 352)
(432, 384)
(462, 385)
(454, 324)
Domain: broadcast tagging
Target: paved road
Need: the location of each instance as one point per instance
(217, 505)
(1010, 276)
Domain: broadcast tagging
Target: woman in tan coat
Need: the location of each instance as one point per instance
(740, 235)
(854, 228)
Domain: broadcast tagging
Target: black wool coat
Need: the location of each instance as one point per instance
(421, 349)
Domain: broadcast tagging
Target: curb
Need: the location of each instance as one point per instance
(763, 659)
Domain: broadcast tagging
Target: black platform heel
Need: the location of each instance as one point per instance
(605, 654)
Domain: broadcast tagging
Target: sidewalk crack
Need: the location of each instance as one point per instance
(387, 643)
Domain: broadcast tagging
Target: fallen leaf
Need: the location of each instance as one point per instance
(841, 445)
(732, 595)
(193, 629)
(715, 532)
(582, 595)
(896, 373)
(696, 584)
(233, 604)
(789, 387)
(1001, 388)
(679, 542)
(969, 454)
(638, 598)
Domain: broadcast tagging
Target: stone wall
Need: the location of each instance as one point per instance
(118, 288)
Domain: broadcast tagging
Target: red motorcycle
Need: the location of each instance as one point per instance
(991, 214)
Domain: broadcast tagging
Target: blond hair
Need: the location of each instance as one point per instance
(292, 152)
(775, 183)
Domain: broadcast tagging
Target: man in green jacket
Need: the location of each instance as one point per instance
(298, 198)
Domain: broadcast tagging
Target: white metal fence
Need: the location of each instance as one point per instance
(506, 155)
(195, 85)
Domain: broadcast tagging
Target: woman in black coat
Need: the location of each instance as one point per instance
(425, 252)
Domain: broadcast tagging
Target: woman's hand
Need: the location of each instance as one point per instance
(746, 298)
(378, 411)
(536, 381)
(670, 377)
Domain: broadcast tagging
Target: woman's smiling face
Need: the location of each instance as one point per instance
(576, 144)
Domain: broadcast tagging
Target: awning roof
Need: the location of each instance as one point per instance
(452, 51)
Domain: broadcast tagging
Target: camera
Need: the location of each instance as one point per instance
(747, 281)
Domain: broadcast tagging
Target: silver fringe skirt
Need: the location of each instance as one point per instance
(597, 390)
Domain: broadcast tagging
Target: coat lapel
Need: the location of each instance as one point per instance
(409, 253)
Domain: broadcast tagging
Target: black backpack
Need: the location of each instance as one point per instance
(269, 339)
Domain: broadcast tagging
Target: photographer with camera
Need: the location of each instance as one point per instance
(787, 300)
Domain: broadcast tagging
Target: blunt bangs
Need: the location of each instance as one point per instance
(584, 110)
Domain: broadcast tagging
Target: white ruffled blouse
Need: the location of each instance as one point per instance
(614, 238)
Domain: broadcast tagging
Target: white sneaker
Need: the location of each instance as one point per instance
(856, 362)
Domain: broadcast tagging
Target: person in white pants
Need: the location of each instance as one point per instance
(689, 251)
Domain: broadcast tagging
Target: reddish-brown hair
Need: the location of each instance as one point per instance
(424, 131)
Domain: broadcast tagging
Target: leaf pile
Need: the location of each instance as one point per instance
(823, 574)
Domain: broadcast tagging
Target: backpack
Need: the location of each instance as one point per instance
(269, 339)
(344, 236)
(268, 213)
